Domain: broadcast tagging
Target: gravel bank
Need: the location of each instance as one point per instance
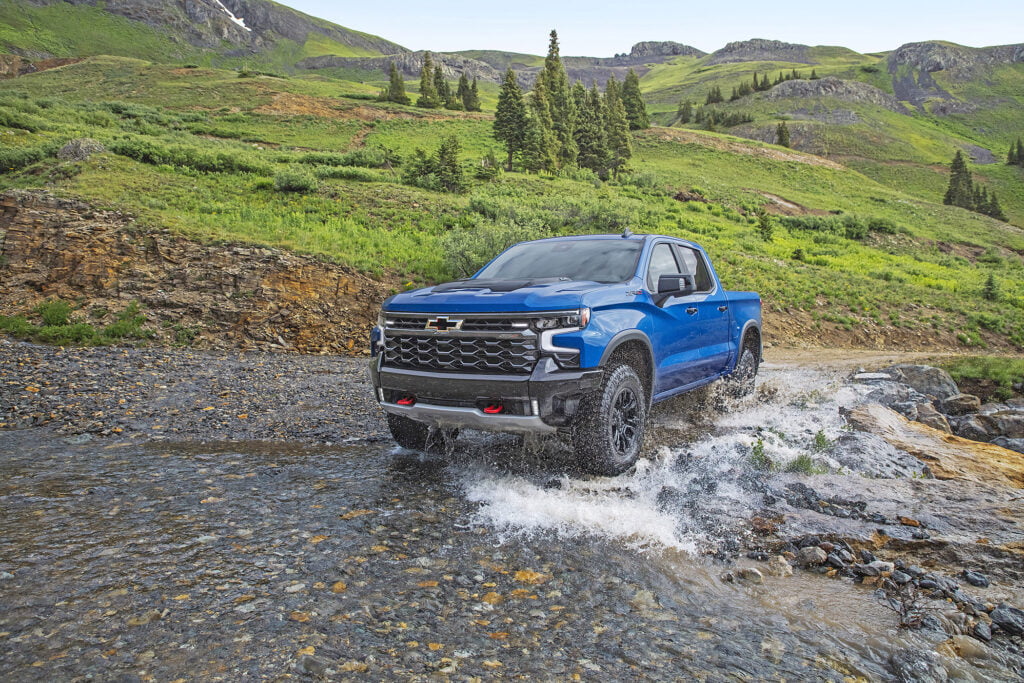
(186, 395)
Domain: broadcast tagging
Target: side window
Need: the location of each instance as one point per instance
(663, 262)
(694, 264)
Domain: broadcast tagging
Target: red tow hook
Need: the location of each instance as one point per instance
(494, 408)
(406, 401)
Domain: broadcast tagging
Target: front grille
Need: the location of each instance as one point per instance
(468, 324)
(446, 353)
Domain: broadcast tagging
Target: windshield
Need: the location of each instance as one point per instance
(598, 260)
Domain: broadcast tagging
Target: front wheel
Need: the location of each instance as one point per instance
(609, 432)
(741, 381)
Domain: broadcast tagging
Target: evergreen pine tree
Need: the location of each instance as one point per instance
(961, 188)
(428, 98)
(462, 91)
(814, 74)
(510, 117)
(782, 134)
(686, 112)
(991, 289)
(590, 134)
(560, 104)
(636, 110)
(449, 170)
(1020, 152)
(543, 145)
(1016, 155)
(735, 96)
(474, 97)
(616, 127)
(979, 202)
(444, 91)
(396, 87)
(993, 208)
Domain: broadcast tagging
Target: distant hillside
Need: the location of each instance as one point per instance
(206, 31)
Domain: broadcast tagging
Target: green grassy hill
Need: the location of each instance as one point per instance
(214, 154)
(276, 39)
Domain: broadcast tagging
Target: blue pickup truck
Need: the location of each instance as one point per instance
(576, 336)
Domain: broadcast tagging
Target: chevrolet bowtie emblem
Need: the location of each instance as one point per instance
(443, 324)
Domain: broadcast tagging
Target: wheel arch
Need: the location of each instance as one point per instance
(634, 348)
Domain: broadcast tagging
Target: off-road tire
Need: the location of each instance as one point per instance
(608, 434)
(741, 380)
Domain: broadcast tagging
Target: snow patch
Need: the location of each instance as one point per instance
(232, 17)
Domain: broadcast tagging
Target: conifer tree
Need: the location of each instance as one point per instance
(510, 117)
(1016, 155)
(616, 128)
(590, 134)
(444, 91)
(814, 74)
(993, 208)
(714, 95)
(686, 112)
(961, 188)
(991, 289)
(636, 110)
(474, 97)
(543, 145)
(428, 98)
(449, 170)
(396, 87)
(462, 90)
(560, 104)
(782, 134)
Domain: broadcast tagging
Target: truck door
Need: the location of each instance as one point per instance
(676, 332)
(708, 308)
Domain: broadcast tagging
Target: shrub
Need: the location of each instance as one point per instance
(15, 158)
(128, 325)
(223, 160)
(369, 157)
(364, 175)
(294, 180)
(54, 312)
(884, 225)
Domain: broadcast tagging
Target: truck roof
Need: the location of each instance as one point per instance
(619, 236)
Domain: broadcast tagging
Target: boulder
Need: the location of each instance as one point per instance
(970, 427)
(932, 382)
(961, 404)
(811, 556)
(1008, 423)
(1010, 619)
(1009, 444)
(80, 149)
(928, 415)
(869, 455)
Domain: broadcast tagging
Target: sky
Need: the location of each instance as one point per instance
(598, 29)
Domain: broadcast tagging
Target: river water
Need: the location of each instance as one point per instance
(222, 561)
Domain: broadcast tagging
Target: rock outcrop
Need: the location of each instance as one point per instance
(761, 50)
(226, 295)
(409, 64)
(835, 88)
(650, 48)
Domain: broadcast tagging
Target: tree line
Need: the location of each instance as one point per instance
(965, 193)
(757, 84)
(435, 91)
(559, 126)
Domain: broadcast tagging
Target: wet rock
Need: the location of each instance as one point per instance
(758, 555)
(1009, 444)
(811, 556)
(898, 397)
(917, 666)
(779, 566)
(1008, 423)
(960, 404)
(901, 578)
(865, 570)
(932, 382)
(872, 456)
(313, 666)
(976, 579)
(866, 556)
(1008, 618)
(971, 427)
(928, 415)
(834, 561)
(749, 575)
(982, 631)
(869, 377)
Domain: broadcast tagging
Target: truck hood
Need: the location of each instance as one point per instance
(487, 296)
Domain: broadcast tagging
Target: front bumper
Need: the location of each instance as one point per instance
(540, 402)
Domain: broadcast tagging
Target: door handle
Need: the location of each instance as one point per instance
(691, 310)
(723, 309)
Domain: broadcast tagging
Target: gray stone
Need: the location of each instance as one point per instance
(779, 566)
(870, 455)
(970, 427)
(928, 415)
(1010, 619)
(1012, 444)
(749, 575)
(982, 631)
(932, 382)
(1008, 423)
(961, 404)
(918, 666)
(865, 377)
(900, 578)
(811, 556)
(976, 579)
(897, 396)
(80, 149)
(882, 566)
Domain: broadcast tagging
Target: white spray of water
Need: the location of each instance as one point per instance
(684, 495)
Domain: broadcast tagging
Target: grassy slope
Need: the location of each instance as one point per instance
(924, 281)
(910, 150)
(80, 30)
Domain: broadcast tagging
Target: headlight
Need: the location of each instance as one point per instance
(381, 321)
(574, 320)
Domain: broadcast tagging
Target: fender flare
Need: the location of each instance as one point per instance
(625, 336)
(743, 336)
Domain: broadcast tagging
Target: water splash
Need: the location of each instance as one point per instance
(695, 488)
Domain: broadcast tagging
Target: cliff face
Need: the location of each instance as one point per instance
(760, 50)
(229, 295)
(835, 88)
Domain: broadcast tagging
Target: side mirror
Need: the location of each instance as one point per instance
(679, 284)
